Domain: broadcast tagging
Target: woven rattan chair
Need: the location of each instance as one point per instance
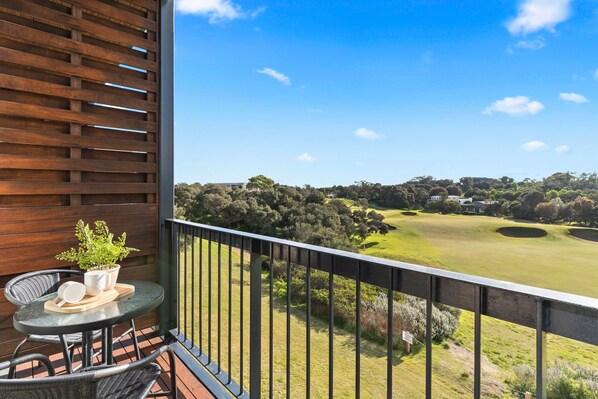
(28, 287)
(127, 381)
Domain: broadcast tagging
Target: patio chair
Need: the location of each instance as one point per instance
(126, 381)
(28, 287)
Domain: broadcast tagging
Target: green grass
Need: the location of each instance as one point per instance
(470, 244)
(461, 243)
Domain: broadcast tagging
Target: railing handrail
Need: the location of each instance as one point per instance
(536, 292)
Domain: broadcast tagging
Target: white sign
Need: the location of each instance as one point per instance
(408, 337)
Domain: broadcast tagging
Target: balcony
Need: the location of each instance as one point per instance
(228, 315)
(86, 131)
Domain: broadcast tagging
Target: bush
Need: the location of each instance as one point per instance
(409, 313)
(432, 206)
(565, 381)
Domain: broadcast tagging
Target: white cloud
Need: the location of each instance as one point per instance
(573, 98)
(534, 45)
(305, 157)
(536, 15)
(276, 75)
(515, 106)
(577, 77)
(364, 133)
(534, 146)
(216, 10)
(596, 74)
(562, 149)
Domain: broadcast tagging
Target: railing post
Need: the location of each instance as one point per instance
(255, 321)
(167, 274)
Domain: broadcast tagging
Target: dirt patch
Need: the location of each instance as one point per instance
(585, 234)
(522, 232)
(408, 213)
(493, 384)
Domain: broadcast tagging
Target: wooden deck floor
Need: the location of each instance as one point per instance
(188, 386)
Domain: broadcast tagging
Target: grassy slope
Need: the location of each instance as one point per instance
(428, 239)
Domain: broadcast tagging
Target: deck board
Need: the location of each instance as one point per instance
(187, 385)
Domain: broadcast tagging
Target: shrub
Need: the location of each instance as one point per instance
(432, 206)
(409, 313)
(565, 381)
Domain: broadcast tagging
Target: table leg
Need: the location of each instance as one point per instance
(87, 349)
(107, 350)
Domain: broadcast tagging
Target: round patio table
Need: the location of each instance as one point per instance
(34, 319)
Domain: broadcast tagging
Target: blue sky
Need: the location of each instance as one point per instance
(323, 93)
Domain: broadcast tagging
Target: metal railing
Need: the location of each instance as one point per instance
(546, 311)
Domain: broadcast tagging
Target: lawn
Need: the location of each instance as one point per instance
(470, 244)
(461, 243)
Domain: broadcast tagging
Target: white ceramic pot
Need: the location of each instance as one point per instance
(111, 277)
(95, 282)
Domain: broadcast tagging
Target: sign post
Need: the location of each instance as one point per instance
(408, 338)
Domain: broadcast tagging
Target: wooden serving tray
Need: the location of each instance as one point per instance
(90, 302)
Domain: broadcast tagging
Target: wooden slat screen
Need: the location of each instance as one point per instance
(78, 133)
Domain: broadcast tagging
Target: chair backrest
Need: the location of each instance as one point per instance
(124, 384)
(28, 287)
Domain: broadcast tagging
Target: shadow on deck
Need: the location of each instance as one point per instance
(149, 340)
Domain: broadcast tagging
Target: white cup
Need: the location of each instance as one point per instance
(70, 292)
(95, 282)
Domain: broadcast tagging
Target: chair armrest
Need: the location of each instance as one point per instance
(29, 358)
(102, 371)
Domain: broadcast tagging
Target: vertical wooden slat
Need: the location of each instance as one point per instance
(75, 175)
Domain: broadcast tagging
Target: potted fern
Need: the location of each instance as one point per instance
(97, 254)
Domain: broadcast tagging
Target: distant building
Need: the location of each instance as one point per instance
(233, 186)
(456, 198)
(331, 195)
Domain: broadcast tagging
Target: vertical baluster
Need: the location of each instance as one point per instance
(477, 363)
(389, 335)
(219, 303)
(241, 312)
(209, 297)
(185, 283)
(178, 277)
(541, 367)
(429, 337)
(255, 322)
(358, 332)
(230, 308)
(271, 326)
(308, 327)
(193, 286)
(288, 390)
(331, 331)
(201, 347)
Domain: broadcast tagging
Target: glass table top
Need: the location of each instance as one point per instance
(34, 319)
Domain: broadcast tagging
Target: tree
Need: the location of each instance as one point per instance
(582, 208)
(448, 207)
(547, 211)
(454, 190)
(260, 182)
(439, 191)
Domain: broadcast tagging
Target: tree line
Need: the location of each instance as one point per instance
(301, 214)
(562, 197)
